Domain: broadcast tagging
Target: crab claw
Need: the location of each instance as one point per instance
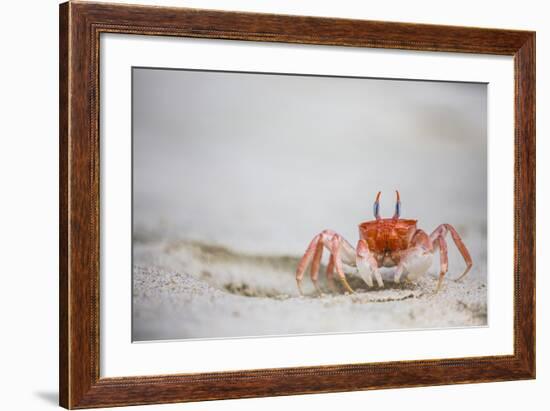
(367, 265)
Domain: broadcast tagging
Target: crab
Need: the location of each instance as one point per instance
(384, 242)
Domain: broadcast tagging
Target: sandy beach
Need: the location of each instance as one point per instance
(186, 289)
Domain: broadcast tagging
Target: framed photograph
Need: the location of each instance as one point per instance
(259, 205)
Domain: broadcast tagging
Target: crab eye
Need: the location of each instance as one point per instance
(397, 206)
(376, 208)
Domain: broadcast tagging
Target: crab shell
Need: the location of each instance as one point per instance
(387, 234)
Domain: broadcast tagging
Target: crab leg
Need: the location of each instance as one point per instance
(367, 265)
(421, 238)
(305, 260)
(398, 273)
(335, 248)
(330, 274)
(441, 231)
(435, 241)
(443, 260)
(341, 252)
(314, 272)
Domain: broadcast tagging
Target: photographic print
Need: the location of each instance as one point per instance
(268, 204)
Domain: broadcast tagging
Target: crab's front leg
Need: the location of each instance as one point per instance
(367, 264)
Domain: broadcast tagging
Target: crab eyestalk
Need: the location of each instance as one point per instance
(376, 207)
(397, 206)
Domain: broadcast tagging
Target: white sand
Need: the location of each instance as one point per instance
(191, 290)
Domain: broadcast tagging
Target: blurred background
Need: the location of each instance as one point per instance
(262, 162)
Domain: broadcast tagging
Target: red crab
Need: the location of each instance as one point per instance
(384, 242)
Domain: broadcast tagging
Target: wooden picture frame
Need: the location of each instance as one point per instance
(80, 27)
